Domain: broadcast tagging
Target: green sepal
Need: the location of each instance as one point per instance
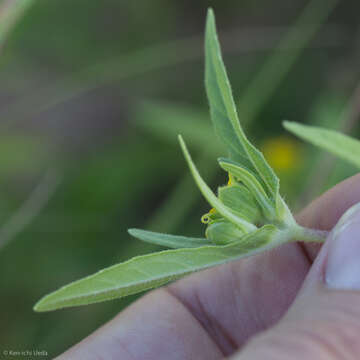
(253, 185)
(241, 202)
(210, 196)
(223, 232)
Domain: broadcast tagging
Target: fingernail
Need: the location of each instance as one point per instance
(343, 263)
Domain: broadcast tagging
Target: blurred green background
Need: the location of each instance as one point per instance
(92, 96)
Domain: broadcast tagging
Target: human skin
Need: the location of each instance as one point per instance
(238, 308)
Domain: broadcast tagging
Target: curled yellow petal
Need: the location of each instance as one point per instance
(231, 180)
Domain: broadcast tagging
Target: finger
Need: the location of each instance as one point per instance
(324, 322)
(235, 301)
(325, 211)
(157, 326)
(227, 304)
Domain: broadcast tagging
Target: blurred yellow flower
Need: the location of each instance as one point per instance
(282, 153)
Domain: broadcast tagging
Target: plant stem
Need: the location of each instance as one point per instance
(299, 233)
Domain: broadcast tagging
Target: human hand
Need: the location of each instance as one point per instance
(246, 308)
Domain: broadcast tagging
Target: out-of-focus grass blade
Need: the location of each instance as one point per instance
(166, 120)
(10, 12)
(181, 199)
(20, 154)
(343, 146)
(30, 208)
(278, 65)
(157, 57)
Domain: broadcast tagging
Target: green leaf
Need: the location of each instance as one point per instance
(341, 145)
(239, 199)
(172, 241)
(153, 270)
(10, 14)
(210, 196)
(249, 180)
(224, 114)
(223, 232)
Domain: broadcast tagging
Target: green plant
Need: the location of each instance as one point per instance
(19, 147)
(248, 216)
(343, 146)
(11, 12)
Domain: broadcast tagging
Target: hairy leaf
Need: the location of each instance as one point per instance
(341, 145)
(149, 271)
(210, 196)
(224, 114)
(252, 184)
(239, 199)
(223, 232)
(172, 241)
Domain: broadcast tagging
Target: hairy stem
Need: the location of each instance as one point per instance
(300, 233)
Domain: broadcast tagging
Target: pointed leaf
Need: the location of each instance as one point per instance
(210, 196)
(224, 114)
(153, 270)
(341, 145)
(172, 241)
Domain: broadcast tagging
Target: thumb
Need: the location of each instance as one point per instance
(324, 321)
